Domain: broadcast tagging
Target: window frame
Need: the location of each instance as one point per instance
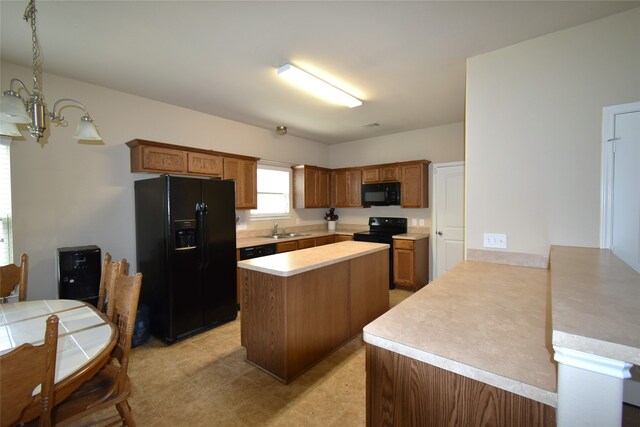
(272, 215)
(6, 229)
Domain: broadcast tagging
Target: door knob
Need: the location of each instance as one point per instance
(439, 233)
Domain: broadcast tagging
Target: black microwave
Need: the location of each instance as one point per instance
(383, 194)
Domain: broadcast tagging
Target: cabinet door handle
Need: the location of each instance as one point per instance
(439, 233)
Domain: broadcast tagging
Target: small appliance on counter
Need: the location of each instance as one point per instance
(78, 271)
(382, 230)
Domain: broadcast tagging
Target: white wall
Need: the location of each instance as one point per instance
(533, 129)
(66, 194)
(438, 144)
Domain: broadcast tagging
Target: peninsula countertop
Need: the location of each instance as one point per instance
(595, 303)
(488, 322)
(295, 262)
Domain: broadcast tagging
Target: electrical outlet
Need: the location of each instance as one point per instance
(495, 240)
(422, 223)
(414, 222)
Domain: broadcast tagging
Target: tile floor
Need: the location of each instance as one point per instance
(205, 381)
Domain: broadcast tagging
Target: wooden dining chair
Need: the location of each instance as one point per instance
(12, 275)
(107, 279)
(111, 385)
(103, 278)
(21, 370)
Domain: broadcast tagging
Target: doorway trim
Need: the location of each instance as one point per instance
(434, 215)
(606, 203)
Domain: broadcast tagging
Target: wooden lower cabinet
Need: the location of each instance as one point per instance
(325, 240)
(402, 391)
(343, 238)
(306, 243)
(287, 246)
(411, 263)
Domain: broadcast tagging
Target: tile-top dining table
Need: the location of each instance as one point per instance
(86, 337)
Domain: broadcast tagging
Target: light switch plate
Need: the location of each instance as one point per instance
(422, 223)
(492, 240)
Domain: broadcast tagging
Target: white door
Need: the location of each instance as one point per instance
(625, 229)
(448, 204)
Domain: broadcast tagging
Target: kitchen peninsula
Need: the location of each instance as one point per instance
(472, 348)
(300, 306)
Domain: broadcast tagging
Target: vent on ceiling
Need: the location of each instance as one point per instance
(371, 125)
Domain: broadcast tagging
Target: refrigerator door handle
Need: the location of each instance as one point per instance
(202, 227)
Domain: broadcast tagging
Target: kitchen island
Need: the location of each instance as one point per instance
(300, 306)
(472, 348)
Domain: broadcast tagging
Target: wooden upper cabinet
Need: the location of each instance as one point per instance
(158, 157)
(380, 173)
(311, 185)
(204, 164)
(245, 174)
(414, 184)
(346, 188)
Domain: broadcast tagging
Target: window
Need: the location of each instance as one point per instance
(6, 250)
(273, 192)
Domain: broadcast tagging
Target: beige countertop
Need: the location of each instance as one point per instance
(596, 300)
(243, 242)
(488, 322)
(411, 236)
(296, 262)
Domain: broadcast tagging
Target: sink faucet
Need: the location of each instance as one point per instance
(275, 229)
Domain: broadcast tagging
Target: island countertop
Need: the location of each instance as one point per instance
(488, 322)
(296, 262)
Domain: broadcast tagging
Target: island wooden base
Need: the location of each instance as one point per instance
(402, 391)
(290, 323)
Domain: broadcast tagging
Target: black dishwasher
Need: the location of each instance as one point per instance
(257, 251)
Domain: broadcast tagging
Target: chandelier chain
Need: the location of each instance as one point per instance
(30, 17)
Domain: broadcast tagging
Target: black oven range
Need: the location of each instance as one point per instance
(382, 230)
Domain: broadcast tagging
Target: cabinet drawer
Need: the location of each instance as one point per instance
(343, 238)
(306, 243)
(403, 244)
(163, 159)
(324, 240)
(286, 247)
(205, 164)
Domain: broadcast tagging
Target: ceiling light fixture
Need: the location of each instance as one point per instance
(33, 111)
(318, 87)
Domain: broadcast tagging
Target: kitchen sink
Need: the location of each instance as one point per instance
(285, 236)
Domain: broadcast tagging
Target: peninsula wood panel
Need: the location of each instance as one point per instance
(369, 289)
(402, 391)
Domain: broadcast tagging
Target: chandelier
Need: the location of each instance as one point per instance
(15, 109)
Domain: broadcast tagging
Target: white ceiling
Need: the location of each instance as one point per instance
(405, 60)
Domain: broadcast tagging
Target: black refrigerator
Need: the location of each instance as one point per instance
(185, 246)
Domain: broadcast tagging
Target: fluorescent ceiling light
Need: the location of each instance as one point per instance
(314, 85)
